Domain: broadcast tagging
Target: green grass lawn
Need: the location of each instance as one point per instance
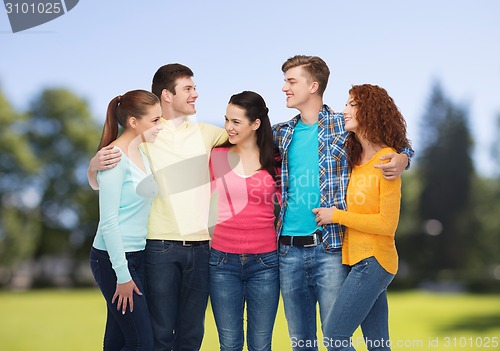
(73, 320)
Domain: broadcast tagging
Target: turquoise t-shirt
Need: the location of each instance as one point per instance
(303, 181)
(125, 196)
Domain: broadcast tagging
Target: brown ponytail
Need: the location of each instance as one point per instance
(133, 103)
(110, 129)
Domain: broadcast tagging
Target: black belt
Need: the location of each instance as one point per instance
(186, 243)
(304, 241)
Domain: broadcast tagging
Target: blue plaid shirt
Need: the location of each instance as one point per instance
(333, 167)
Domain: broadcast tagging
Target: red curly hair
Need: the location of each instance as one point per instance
(379, 121)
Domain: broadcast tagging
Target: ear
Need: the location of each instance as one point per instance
(132, 122)
(314, 87)
(256, 124)
(166, 95)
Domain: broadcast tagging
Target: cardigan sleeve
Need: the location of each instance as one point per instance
(110, 185)
(384, 222)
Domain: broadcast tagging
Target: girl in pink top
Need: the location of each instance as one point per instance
(243, 259)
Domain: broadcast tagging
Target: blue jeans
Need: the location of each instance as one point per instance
(132, 330)
(363, 301)
(177, 290)
(309, 276)
(238, 279)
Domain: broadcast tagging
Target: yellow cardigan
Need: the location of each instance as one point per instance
(372, 215)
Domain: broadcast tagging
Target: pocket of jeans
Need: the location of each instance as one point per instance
(158, 248)
(215, 259)
(283, 250)
(270, 260)
(364, 266)
(96, 271)
(331, 250)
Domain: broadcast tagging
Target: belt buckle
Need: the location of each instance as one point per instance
(315, 242)
(185, 243)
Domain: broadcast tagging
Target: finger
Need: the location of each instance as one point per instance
(315, 210)
(111, 161)
(111, 157)
(137, 291)
(109, 147)
(388, 156)
(119, 304)
(124, 307)
(114, 153)
(131, 303)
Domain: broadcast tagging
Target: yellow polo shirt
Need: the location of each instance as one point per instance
(179, 161)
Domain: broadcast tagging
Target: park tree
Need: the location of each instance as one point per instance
(19, 219)
(485, 263)
(495, 148)
(62, 135)
(446, 174)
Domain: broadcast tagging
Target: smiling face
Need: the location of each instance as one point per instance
(298, 87)
(238, 126)
(183, 102)
(350, 122)
(149, 125)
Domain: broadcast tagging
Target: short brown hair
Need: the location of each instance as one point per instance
(166, 76)
(314, 66)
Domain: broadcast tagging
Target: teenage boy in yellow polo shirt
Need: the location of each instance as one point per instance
(177, 248)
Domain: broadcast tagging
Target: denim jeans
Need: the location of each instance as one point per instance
(132, 330)
(238, 279)
(309, 276)
(177, 290)
(363, 301)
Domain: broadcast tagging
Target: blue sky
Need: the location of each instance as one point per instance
(103, 48)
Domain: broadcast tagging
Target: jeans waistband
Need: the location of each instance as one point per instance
(185, 243)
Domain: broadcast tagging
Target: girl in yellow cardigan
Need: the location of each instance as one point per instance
(376, 128)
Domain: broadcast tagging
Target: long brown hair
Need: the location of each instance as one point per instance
(133, 103)
(379, 121)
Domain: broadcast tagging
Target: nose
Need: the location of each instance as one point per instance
(194, 94)
(285, 87)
